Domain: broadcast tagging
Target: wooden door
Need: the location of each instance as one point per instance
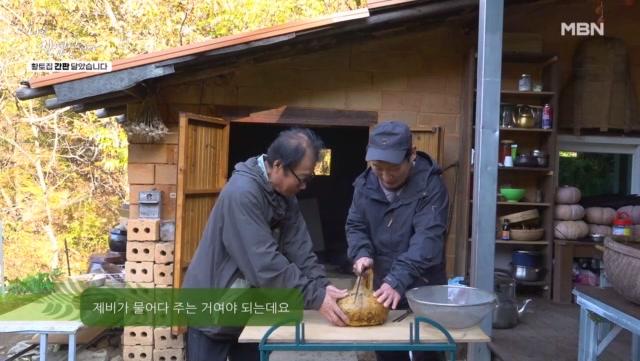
(203, 156)
(430, 141)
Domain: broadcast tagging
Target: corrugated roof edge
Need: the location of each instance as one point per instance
(201, 47)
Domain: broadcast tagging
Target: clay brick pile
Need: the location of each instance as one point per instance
(150, 245)
(145, 343)
(149, 259)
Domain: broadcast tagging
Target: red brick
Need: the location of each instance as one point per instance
(143, 229)
(137, 353)
(164, 252)
(148, 153)
(170, 354)
(166, 174)
(140, 251)
(141, 173)
(137, 335)
(138, 272)
(163, 274)
(163, 339)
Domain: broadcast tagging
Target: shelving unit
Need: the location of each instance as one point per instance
(539, 182)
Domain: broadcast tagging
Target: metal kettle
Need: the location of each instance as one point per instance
(525, 117)
(507, 312)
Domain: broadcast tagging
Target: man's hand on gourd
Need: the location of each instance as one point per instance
(329, 308)
(388, 296)
(362, 264)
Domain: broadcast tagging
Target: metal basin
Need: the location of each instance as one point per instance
(453, 307)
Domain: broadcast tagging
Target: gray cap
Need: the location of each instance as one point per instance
(389, 142)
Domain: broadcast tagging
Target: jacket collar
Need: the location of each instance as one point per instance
(250, 169)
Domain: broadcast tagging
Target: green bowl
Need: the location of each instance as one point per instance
(512, 194)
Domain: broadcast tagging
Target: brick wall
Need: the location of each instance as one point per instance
(415, 78)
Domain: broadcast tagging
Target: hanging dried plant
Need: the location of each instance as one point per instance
(147, 125)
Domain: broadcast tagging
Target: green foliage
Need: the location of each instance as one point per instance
(62, 174)
(593, 173)
(36, 284)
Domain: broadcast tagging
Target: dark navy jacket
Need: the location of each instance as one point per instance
(405, 238)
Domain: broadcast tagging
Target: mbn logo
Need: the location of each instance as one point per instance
(582, 29)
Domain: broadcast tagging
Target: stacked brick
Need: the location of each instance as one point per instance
(145, 343)
(150, 245)
(149, 259)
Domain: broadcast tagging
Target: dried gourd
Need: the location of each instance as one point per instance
(362, 308)
(568, 195)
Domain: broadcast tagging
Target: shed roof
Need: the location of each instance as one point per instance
(128, 79)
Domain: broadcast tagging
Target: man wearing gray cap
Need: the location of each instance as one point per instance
(397, 221)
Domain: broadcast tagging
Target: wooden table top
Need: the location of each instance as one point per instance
(612, 298)
(319, 330)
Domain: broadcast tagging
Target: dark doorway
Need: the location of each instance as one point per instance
(327, 197)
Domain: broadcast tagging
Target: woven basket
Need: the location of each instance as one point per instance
(622, 264)
(527, 234)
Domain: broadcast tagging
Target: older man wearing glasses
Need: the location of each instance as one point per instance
(256, 237)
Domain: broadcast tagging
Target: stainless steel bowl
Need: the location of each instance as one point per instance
(451, 306)
(524, 273)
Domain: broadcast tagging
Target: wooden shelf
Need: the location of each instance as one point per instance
(541, 94)
(525, 57)
(524, 169)
(532, 283)
(528, 169)
(520, 243)
(520, 204)
(521, 57)
(540, 178)
(524, 204)
(525, 130)
(528, 94)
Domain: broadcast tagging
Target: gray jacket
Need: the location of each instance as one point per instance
(260, 236)
(405, 238)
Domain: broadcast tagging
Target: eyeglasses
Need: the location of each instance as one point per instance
(304, 181)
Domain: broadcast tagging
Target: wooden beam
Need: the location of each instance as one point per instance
(297, 116)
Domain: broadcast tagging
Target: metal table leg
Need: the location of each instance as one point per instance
(413, 343)
(635, 347)
(72, 347)
(43, 346)
(588, 343)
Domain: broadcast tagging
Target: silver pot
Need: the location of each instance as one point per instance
(524, 273)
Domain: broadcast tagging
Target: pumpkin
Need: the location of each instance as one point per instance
(599, 229)
(633, 212)
(600, 215)
(568, 195)
(570, 229)
(361, 307)
(569, 212)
